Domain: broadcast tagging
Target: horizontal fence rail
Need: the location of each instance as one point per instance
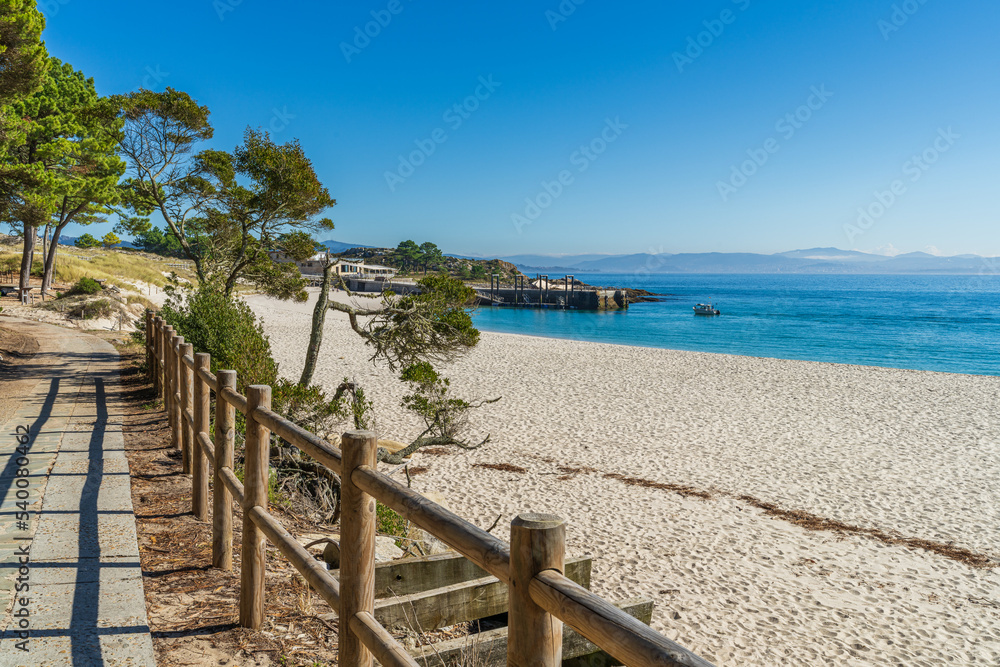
(532, 565)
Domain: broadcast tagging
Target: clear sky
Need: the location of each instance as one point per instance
(591, 126)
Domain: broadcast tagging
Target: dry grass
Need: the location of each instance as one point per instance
(114, 266)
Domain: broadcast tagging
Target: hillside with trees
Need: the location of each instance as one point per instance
(417, 260)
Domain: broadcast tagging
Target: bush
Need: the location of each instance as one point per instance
(90, 310)
(389, 522)
(84, 286)
(225, 328)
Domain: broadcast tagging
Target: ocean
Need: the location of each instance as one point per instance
(932, 323)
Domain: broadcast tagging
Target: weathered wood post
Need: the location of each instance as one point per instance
(222, 499)
(150, 371)
(187, 384)
(534, 636)
(255, 474)
(202, 419)
(357, 546)
(165, 335)
(157, 335)
(175, 389)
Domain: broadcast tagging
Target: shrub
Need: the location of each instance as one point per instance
(389, 522)
(84, 286)
(225, 328)
(90, 310)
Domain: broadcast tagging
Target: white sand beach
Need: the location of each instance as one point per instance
(911, 454)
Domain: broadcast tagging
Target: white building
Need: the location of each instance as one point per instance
(347, 268)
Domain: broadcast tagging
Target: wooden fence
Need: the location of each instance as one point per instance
(532, 565)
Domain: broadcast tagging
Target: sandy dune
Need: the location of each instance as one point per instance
(911, 454)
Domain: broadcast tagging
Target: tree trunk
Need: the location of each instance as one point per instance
(49, 267)
(316, 335)
(45, 244)
(28, 256)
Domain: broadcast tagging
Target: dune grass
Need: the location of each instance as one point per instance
(115, 266)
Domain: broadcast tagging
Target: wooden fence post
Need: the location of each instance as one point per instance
(165, 357)
(534, 636)
(202, 418)
(175, 389)
(255, 478)
(357, 546)
(155, 341)
(186, 382)
(222, 499)
(150, 371)
(165, 335)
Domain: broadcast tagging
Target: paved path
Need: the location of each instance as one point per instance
(85, 602)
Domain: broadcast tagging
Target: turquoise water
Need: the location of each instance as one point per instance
(936, 323)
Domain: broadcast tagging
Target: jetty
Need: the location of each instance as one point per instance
(564, 294)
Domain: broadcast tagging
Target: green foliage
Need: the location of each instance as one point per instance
(389, 522)
(23, 65)
(298, 245)
(430, 254)
(22, 53)
(152, 239)
(158, 134)
(433, 324)
(442, 415)
(84, 286)
(65, 161)
(266, 192)
(225, 328)
(110, 240)
(407, 254)
(86, 241)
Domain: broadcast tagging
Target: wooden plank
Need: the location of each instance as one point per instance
(207, 447)
(383, 645)
(490, 647)
(416, 575)
(466, 601)
(310, 568)
(488, 551)
(234, 485)
(308, 442)
(616, 632)
(234, 398)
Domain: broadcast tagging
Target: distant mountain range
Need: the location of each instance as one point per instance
(813, 260)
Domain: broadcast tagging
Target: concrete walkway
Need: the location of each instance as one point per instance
(72, 538)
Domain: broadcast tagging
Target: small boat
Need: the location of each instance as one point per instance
(706, 309)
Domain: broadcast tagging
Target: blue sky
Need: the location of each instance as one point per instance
(723, 125)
